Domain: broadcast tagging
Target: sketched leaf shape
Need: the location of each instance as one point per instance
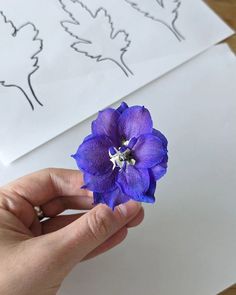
(163, 11)
(95, 34)
(111, 43)
(6, 28)
(18, 56)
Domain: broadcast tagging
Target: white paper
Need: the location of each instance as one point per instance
(44, 62)
(187, 242)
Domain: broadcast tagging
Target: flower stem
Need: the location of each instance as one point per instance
(32, 90)
(174, 30)
(29, 93)
(123, 66)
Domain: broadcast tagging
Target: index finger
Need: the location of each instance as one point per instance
(41, 187)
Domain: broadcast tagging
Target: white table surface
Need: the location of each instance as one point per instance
(186, 245)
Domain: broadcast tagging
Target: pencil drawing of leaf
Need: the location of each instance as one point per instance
(95, 35)
(162, 11)
(18, 57)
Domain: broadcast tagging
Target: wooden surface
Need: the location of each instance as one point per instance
(227, 10)
(230, 291)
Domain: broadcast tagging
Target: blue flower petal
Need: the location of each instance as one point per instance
(160, 170)
(124, 128)
(134, 182)
(111, 199)
(132, 142)
(148, 197)
(148, 151)
(162, 137)
(152, 187)
(107, 124)
(98, 198)
(93, 157)
(88, 137)
(101, 183)
(122, 107)
(145, 199)
(115, 198)
(135, 121)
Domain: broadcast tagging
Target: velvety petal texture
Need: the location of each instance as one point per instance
(134, 122)
(148, 197)
(112, 199)
(144, 199)
(101, 183)
(123, 157)
(160, 170)
(161, 136)
(133, 181)
(107, 124)
(122, 107)
(148, 151)
(98, 198)
(92, 156)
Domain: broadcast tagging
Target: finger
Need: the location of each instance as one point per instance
(35, 227)
(137, 220)
(58, 222)
(118, 237)
(60, 204)
(75, 241)
(112, 242)
(40, 187)
(61, 221)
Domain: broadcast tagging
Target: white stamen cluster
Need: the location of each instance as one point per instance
(120, 159)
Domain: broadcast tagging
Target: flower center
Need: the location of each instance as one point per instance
(121, 157)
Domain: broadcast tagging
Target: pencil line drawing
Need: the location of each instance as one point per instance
(162, 11)
(101, 42)
(19, 47)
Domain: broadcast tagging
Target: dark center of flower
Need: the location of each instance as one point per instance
(121, 157)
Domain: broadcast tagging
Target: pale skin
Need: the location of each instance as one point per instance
(35, 256)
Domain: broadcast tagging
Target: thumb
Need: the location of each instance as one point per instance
(75, 241)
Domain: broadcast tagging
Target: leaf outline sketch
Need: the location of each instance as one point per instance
(162, 5)
(70, 27)
(26, 89)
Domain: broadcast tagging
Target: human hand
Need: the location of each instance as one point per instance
(36, 256)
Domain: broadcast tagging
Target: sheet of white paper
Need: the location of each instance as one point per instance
(67, 69)
(187, 242)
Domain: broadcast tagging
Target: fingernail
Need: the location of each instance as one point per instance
(129, 209)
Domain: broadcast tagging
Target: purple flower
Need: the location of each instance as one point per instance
(123, 157)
